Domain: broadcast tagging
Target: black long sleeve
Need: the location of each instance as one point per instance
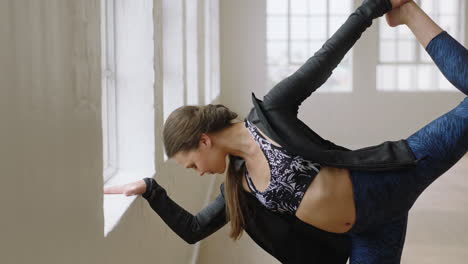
(187, 226)
(293, 90)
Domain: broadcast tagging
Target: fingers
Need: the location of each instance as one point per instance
(398, 3)
(394, 18)
(129, 193)
(134, 188)
(118, 189)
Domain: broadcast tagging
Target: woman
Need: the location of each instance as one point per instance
(296, 175)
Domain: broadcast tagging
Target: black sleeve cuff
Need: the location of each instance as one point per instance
(150, 182)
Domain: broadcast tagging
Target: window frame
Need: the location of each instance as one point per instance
(109, 107)
(292, 65)
(418, 60)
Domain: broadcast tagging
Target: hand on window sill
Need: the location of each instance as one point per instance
(133, 188)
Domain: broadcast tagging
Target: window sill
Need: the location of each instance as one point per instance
(115, 205)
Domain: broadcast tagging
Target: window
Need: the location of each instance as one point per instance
(296, 29)
(404, 65)
(190, 73)
(179, 38)
(109, 124)
(127, 99)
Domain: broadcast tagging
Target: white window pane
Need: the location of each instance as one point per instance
(277, 52)
(386, 32)
(299, 29)
(299, 52)
(406, 50)
(276, 74)
(405, 74)
(386, 77)
(293, 68)
(449, 23)
(424, 55)
(404, 33)
(428, 6)
(448, 7)
(335, 23)
(314, 46)
(299, 7)
(432, 77)
(340, 7)
(444, 84)
(277, 7)
(277, 27)
(318, 27)
(345, 64)
(388, 51)
(317, 7)
(340, 80)
(425, 74)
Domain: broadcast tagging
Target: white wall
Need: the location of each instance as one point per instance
(51, 157)
(51, 152)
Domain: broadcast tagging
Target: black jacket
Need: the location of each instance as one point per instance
(285, 237)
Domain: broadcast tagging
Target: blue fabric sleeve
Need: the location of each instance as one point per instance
(451, 58)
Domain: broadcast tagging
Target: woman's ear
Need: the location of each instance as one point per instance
(205, 140)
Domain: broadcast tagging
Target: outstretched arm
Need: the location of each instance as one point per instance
(293, 90)
(187, 226)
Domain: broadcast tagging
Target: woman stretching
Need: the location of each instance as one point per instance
(363, 194)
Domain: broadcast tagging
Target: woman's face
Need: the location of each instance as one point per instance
(207, 158)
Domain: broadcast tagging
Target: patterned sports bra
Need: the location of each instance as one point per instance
(290, 176)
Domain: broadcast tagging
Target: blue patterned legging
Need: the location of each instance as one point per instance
(383, 199)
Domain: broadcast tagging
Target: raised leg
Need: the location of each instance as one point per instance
(382, 197)
(444, 142)
(382, 245)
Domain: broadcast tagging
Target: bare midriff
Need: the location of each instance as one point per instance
(328, 202)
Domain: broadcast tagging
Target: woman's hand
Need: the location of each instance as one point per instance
(398, 3)
(398, 16)
(133, 188)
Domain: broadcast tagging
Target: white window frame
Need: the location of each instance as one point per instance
(191, 65)
(127, 62)
(109, 125)
(436, 78)
(293, 66)
(190, 76)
